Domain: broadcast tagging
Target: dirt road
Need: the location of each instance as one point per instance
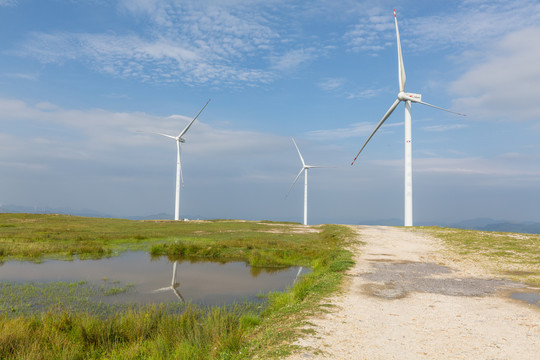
(405, 300)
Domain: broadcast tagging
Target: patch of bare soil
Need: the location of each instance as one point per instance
(406, 300)
(287, 229)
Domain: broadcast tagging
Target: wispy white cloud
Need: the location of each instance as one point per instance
(363, 94)
(23, 76)
(216, 42)
(486, 20)
(293, 58)
(372, 33)
(331, 84)
(8, 2)
(342, 87)
(190, 42)
(159, 60)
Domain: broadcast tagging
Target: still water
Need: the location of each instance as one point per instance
(530, 298)
(159, 280)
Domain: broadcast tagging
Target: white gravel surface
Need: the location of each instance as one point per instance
(405, 300)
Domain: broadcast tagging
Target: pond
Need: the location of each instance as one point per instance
(137, 278)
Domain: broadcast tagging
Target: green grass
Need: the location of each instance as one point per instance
(236, 332)
(150, 334)
(288, 311)
(27, 299)
(34, 237)
(510, 255)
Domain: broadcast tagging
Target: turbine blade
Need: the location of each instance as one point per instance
(162, 289)
(192, 121)
(401, 67)
(301, 158)
(440, 108)
(294, 182)
(319, 167)
(388, 113)
(156, 133)
(178, 295)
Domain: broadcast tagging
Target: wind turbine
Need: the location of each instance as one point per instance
(179, 176)
(407, 98)
(305, 168)
(173, 286)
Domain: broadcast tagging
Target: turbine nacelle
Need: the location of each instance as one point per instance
(404, 96)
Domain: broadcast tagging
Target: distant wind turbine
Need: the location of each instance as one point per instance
(179, 175)
(408, 98)
(174, 285)
(305, 168)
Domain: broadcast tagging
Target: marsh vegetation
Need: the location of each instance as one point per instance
(160, 332)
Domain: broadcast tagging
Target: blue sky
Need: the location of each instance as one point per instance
(78, 79)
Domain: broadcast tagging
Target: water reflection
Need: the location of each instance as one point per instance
(298, 273)
(193, 280)
(174, 285)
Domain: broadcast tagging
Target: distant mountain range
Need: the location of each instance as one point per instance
(75, 212)
(485, 224)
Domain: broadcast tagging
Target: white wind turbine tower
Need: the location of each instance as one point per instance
(407, 98)
(305, 168)
(179, 176)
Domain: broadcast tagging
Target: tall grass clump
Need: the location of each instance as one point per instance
(215, 333)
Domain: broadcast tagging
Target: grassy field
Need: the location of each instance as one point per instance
(235, 332)
(35, 237)
(509, 255)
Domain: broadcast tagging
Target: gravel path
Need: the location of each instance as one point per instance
(404, 300)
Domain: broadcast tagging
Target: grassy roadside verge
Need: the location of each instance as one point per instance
(509, 255)
(288, 311)
(237, 332)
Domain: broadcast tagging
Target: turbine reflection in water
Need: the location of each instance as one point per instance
(174, 285)
(202, 282)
